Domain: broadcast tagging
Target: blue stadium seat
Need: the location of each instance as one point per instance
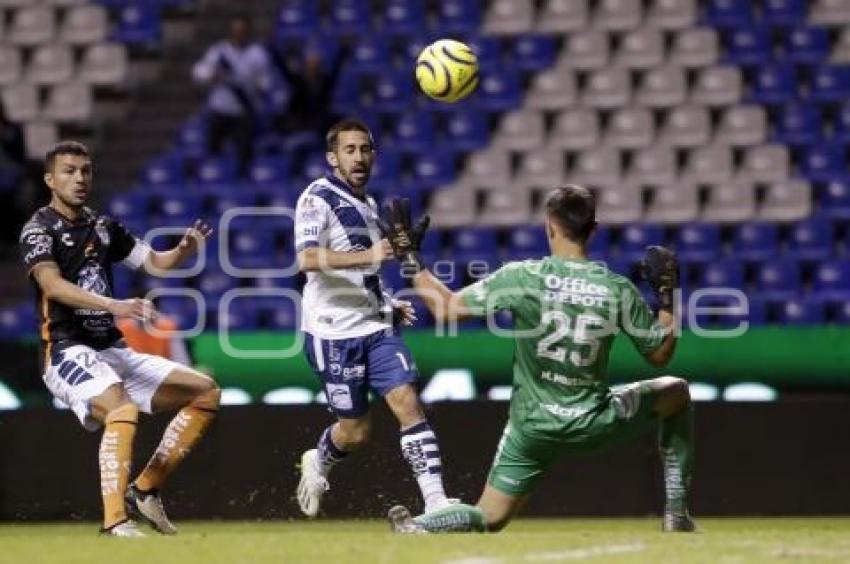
(297, 19)
(371, 54)
(778, 278)
(414, 131)
(215, 205)
(784, 13)
(392, 280)
(459, 16)
(635, 238)
(831, 83)
(534, 52)
(841, 313)
(599, 245)
(433, 168)
(836, 198)
(698, 242)
(474, 243)
(213, 283)
(526, 242)
(350, 17)
(250, 243)
(748, 46)
(774, 84)
(841, 124)
(498, 92)
(386, 173)
(811, 239)
(807, 45)
(122, 281)
(167, 170)
(138, 24)
(466, 131)
(216, 170)
(728, 13)
(179, 208)
(17, 321)
(404, 17)
(800, 312)
(488, 50)
(183, 311)
(192, 138)
(280, 314)
(824, 162)
(132, 206)
(755, 241)
(267, 169)
(432, 245)
(725, 273)
(315, 166)
(393, 92)
(798, 123)
(832, 279)
(346, 95)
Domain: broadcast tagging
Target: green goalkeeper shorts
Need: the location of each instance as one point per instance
(523, 457)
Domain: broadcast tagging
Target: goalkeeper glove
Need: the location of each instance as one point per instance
(660, 269)
(406, 240)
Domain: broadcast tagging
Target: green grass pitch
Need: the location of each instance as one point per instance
(529, 540)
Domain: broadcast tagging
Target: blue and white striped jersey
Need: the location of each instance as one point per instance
(340, 304)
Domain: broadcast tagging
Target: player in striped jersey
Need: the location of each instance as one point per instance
(352, 341)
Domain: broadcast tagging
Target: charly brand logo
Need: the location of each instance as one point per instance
(66, 240)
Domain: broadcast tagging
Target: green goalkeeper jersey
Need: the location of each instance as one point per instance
(566, 314)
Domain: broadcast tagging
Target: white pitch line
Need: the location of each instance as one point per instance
(572, 554)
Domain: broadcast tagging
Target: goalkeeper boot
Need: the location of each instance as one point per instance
(678, 523)
(312, 485)
(148, 507)
(440, 504)
(402, 522)
(125, 528)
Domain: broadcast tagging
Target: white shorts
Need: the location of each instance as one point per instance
(83, 373)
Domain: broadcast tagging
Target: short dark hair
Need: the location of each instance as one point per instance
(573, 208)
(65, 148)
(347, 124)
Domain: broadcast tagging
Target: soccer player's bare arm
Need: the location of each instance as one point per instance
(56, 288)
(158, 262)
(444, 304)
(318, 258)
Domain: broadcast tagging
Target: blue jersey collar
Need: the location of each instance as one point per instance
(342, 185)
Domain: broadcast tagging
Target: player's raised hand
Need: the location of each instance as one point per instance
(403, 313)
(134, 308)
(191, 239)
(660, 268)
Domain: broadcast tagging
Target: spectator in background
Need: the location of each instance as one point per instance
(239, 73)
(311, 80)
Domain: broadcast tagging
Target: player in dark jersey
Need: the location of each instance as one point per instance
(68, 251)
(567, 311)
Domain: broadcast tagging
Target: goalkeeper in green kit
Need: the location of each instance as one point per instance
(567, 311)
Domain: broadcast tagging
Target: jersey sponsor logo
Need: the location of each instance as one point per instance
(575, 291)
(566, 412)
(92, 280)
(310, 215)
(312, 231)
(339, 396)
(66, 240)
(40, 242)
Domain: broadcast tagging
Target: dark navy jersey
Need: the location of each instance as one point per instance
(84, 250)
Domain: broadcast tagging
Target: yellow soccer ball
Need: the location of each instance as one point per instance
(447, 70)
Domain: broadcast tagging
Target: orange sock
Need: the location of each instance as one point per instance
(184, 431)
(116, 452)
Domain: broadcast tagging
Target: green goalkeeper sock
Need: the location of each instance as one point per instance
(455, 518)
(676, 444)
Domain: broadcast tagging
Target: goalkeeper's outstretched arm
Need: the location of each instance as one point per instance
(660, 356)
(444, 305)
